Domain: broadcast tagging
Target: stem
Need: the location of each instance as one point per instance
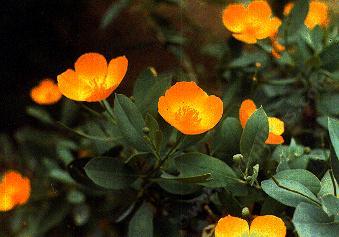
(108, 108)
(159, 163)
(92, 111)
(294, 191)
(173, 149)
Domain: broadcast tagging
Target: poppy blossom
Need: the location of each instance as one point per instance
(276, 126)
(317, 14)
(93, 79)
(252, 22)
(189, 109)
(46, 92)
(263, 226)
(15, 190)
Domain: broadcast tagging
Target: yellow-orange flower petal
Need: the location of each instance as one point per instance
(14, 190)
(267, 226)
(259, 10)
(92, 80)
(189, 109)
(273, 139)
(276, 126)
(6, 201)
(245, 37)
(250, 23)
(46, 93)
(230, 226)
(288, 7)
(317, 14)
(231, 17)
(247, 108)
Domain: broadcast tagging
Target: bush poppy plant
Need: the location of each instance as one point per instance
(93, 79)
(189, 109)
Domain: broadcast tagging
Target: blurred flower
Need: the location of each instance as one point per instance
(268, 226)
(250, 23)
(276, 126)
(317, 14)
(14, 190)
(92, 80)
(46, 93)
(276, 47)
(189, 109)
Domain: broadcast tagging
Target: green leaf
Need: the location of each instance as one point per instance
(330, 204)
(327, 104)
(227, 137)
(130, 122)
(289, 192)
(141, 222)
(113, 11)
(188, 179)
(304, 177)
(253, 138)
(333, 129)
(194, 164)
(330, 56)
(176, 187)
(311, 221)
(295, 20)
(327, 185)
(75, 197)
(148, 89)
(155, 134)
(40, 114)
(247, 59)
(109, 173)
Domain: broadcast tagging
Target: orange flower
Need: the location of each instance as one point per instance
(276, 126)
(189, 109)
(46, 93)
(250, 23)
(14, 190)
(317, 14)
(263, 226)
(92, 80)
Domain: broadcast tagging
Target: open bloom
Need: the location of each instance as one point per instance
(189, 109)
(14, 190)
(46, 92)
(317, 14)
(92, 80)
(250, 23)
(261, 226)
(276, 126)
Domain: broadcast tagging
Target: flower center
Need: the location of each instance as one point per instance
(187, 116)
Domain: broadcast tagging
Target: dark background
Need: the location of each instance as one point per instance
(40, 39)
